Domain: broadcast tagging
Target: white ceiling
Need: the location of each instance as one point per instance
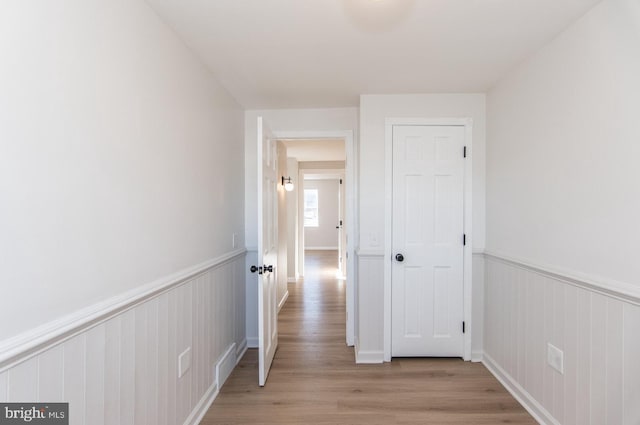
(316, 149)
(325, 53)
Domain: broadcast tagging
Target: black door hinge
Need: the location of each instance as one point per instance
(463, 327)
(340, 181)
(464, 239)
(464, 152)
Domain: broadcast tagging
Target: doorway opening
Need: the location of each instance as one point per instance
(323, 217)
(321, 226)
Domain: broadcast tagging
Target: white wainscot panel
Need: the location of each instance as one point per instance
(369, 345)
(122, 368)
(525, 310)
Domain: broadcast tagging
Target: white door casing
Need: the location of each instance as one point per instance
(267, 250)
(426, 290)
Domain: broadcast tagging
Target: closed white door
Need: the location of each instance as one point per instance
(267, 250)
(427, 241)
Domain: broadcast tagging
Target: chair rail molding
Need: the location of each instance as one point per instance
(22, 347)
(622, 291)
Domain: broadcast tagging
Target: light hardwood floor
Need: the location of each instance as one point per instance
(314, 378)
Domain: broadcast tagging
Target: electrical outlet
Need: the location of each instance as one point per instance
(184, 362)
(555, 358)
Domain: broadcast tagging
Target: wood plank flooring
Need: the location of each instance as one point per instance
(314, 378)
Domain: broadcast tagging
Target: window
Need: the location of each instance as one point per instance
(311, 208)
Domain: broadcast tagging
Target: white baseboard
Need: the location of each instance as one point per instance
(320, 248)
(203, 405)
(224, 367)
(292, 280)
(476, 356)
(283, 300)
(532, 406)
(368, 357)
(252, 342)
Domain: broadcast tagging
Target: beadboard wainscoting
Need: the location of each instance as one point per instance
(121, 367)
(477, 306)
(596, 327)
(251, 302)
(370, 300)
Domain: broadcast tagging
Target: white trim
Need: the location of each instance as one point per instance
(33, 342)
(252, 342)
(292, 280)
(467, 123)
(198, 412)
(536, 410)
(320, 248)
(611, 288)
(477, 356)
(368, 357)
(350, 209)
(283, 300)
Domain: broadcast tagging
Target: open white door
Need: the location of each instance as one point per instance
(342, 235)
(267, 250)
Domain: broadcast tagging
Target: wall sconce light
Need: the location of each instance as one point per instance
(287, 183)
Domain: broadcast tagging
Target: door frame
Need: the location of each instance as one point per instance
(467, 123)
(350, 193)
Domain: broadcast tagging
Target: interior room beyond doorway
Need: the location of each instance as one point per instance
(316, 207)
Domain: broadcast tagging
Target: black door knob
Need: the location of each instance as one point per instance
(399, 257)
(268, 269)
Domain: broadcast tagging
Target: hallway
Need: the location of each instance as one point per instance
(314, 379)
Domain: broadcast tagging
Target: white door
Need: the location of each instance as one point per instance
(267, 249)
(427, 241)
(342, 235)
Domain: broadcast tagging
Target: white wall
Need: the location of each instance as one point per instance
(325, 236)
(562, 195)
(292, 220)
(283, 221)
(374, 109)
(120, 162)
(121, 185)
(562, 157)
